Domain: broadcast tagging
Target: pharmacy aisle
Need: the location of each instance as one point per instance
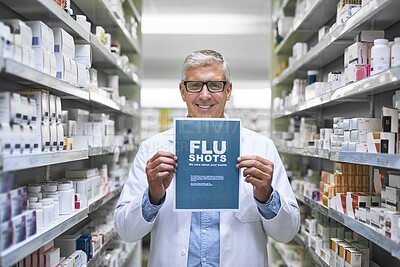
(336, 101)
(70, 75)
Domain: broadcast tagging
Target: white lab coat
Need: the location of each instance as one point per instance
(243, 234)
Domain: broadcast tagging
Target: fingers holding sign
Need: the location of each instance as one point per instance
(258, 172)
(159, 170)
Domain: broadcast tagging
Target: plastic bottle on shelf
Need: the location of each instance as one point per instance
(395, 53)
(380, 56)
(39, 214)
(48, 211)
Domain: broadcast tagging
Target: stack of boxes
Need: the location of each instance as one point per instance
(16, 222)
(47, 129)
(357, 57)
(318, 231)
(347, 177)
(348, 252)
(21, 42)
(43, 46)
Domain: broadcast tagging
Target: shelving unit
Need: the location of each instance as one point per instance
(305, 28)
(325, 56)
(18, 251)
(27, 161)
(311, 252)
(380, 13)
(373, 85)
(97, 256)
(103, 200)
(15, 76)
(361, 228)
(97, 10)
(20, 73)
(47, 10)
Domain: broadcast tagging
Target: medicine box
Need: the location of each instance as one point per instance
(42, 35)
(63, 43)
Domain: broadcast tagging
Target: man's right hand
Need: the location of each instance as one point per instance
(159, 170)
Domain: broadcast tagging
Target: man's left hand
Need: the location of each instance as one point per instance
(258, 172)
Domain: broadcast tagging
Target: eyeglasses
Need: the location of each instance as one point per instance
(212, 86)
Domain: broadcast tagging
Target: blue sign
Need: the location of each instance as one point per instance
(207, 177)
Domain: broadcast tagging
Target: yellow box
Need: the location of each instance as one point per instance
(69, 143)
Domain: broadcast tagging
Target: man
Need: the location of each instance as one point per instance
(227, 238)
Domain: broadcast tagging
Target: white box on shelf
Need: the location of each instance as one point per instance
(392, 219)
(390, 120)
(53, 65)
(20, 28)
(42, 102)
(82, 75)
(74, 73)
(63, 43)
(63, 67)
(298, 50)
(284, 25)
(86, 25)
(322, 32)
(356, 54)
(8, 47)
(45, 137)
(381, 142)
(42, 60)
(365, 123)
(350, 73)
(83, 55)
(41, 35)
(18, 228)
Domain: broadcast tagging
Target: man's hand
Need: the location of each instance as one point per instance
(258, 172)
(159, 170)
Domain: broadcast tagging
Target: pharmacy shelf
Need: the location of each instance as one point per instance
(26, 75)
(287, 9)
(26, 161)
(377, 14)
(317, 206)
(103, 59)
(288, 6)
(103, 101)
(317, 259)
(50, 13)
(134, 10)
(367, 231)
(323, 154)
(316, 17)
(290, 259)
(361, 228)
(98, 10)
(98, 151)
(321, 54)
(391, 161)
(373, 85)
(97, 257)
(104, 199)
(20, 250)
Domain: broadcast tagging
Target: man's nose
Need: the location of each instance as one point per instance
(204, 91)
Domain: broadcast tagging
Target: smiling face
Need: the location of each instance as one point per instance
(205, 104)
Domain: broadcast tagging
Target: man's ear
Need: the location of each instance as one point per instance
(228, 91)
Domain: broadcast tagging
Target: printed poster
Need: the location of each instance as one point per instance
(207, 177)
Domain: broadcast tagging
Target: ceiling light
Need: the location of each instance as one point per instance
(204, 24)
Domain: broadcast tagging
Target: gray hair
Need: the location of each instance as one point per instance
(205, 57)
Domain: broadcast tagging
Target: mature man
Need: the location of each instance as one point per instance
(208, 238)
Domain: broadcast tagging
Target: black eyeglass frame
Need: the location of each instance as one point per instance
(204, 83)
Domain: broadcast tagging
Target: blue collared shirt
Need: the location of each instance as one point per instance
(204, 240)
